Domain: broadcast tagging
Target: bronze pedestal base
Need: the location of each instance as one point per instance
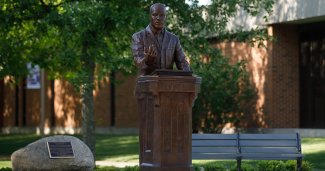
(165, 106)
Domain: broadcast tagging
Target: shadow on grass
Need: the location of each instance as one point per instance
(316, 159)
(11, 143)
(114, 146)
(107, 146)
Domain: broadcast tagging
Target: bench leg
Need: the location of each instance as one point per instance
(239, 164)
(299, 163)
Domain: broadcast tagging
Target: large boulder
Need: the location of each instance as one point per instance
(35, 156)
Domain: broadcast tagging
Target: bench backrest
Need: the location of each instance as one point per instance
(225, 145)
(266, 146)
(252, 146)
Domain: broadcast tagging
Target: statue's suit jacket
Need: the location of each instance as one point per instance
(168, 53)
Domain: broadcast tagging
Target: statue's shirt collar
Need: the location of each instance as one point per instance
(156, 32)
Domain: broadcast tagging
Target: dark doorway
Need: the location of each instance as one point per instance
(312, 76)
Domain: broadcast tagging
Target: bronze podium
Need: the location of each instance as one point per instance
(165, 106)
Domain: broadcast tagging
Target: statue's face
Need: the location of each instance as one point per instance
(158, 17)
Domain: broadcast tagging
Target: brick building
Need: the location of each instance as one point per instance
(20, 107)
(289, 76)
(290, 73)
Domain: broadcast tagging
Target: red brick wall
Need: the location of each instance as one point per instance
(275, 74)
(257, 63)
(102, 103)
(283, 93)
(67, 105)
(126, 106)
(8, 104)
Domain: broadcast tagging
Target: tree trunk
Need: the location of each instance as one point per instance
(87, 100)
(88, 125)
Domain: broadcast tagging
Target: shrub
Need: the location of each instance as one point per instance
(5, 169)
(292, 165)
(289, 165)
(197, 168)
(106, 168)
(213, 166)
(244, 167)
(306, 166)
(131, 168)
(271, 165)
(227, 95)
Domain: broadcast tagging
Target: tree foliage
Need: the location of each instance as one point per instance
(226, 93)
(84, 40)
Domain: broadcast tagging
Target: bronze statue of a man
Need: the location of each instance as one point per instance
(156, 48)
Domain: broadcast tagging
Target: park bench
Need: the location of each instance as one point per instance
(247, 147)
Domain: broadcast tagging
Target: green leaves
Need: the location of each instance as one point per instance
(64, 36)
(53, 31)
(225, 92)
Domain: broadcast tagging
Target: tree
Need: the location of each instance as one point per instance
(84, 40)
(71, 40)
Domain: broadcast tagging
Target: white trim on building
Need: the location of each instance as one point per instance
(284, 11)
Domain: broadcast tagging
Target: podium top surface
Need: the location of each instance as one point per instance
(175, 76)
(163, 72)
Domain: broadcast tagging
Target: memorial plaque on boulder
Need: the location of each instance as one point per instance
(60, 149)
(59, 153)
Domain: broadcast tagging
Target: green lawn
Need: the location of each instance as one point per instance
(118, 148)
(124, 148)
(314, 151)
(11, 143)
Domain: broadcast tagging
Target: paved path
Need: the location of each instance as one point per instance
(116, 164)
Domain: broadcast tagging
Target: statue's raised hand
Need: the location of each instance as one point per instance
(150, 55)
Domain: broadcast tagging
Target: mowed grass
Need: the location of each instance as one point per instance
(314, 151)
(11, 143)
(117, 148)
(125, 148)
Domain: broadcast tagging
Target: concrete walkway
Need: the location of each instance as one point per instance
(116, 164)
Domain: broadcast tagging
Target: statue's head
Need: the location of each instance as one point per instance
(158, 16)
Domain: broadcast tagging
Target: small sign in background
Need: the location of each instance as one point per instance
(33, 80)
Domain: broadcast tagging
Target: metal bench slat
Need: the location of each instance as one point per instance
(290, 150)
(205, 156)
(214, 150)
(214, 136)
(257, 156)
(212, 143)
(268, 136)
(267, 143)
